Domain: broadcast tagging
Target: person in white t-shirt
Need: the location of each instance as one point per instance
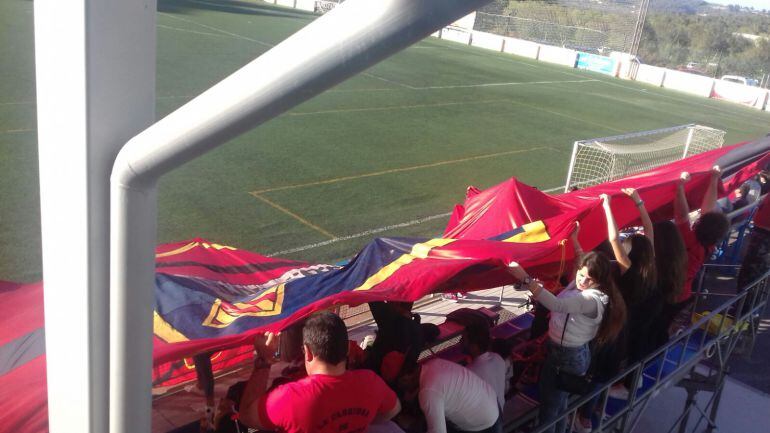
(487, 365)
(452, 398)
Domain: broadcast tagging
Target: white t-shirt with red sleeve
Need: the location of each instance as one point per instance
(327, 404)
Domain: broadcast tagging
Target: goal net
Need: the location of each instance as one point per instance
(600, 160)
(323, 6)
(585, 25)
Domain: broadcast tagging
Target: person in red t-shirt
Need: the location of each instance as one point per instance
(701, 239)
(757, 259)
(329, 399)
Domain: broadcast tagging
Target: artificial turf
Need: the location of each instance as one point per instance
(391, 147)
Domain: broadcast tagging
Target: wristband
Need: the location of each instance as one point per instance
(640, 203)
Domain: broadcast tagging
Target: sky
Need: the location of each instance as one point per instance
(756, 4)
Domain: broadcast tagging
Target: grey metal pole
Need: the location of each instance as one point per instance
(352, 37)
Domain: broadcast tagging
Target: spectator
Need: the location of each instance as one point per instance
(764, 185)
(637, 280)
(701, 238)
(487, 365)
(205, 377)
(541, 313)
(329, 399)
(757, 259)
(671, 263)
(589, 308)
(503, 347)
(748, 193)
(452, 398)
(226, 420)
(397, 330)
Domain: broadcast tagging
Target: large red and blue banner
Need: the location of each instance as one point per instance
(210, 297)
(213, 298)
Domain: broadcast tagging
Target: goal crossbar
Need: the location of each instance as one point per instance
(604, 159)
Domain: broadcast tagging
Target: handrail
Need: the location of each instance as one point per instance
(759, 290)
(354, 36)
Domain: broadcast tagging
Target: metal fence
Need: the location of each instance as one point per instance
(714, 337)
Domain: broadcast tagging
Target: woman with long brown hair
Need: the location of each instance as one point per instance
(671, 260)
(637, 281)
(591, 307)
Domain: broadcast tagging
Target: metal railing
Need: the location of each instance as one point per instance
(714, 336)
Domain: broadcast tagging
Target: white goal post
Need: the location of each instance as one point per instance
(599, 160)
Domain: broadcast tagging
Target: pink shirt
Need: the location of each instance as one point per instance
(320, 403)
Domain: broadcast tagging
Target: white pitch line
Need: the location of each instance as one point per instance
(375, 231)
(359, 235)
(18, 103)
(369, 74)
(191, 31)
(396, 107)
(513, 83)
(217, 29)
(735, 114)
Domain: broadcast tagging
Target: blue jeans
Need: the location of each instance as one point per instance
(553, 400)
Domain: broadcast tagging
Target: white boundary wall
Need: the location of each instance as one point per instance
(305, 5)
(688, 83)
(461, 32)
(487, 40)
(557, 55)
(740, 93)
(651, 75)
(522, 48)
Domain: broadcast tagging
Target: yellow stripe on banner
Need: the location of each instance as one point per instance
(192, 245)
(219, 318)
(419, 251)
(533, 232)
(179, 250)
(165, 331)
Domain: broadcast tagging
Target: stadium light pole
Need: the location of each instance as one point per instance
(352, 37)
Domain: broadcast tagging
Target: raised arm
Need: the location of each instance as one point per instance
(574, 305)
(645, 217)
(709, 202)
(612, 235)
(579, 253)
(265, 345)
(681, 208)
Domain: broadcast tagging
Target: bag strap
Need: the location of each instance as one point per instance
(566, 321)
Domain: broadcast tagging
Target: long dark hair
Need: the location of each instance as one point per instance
(642, 256)
(671, 260)
(600, 270)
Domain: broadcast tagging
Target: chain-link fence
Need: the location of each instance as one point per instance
(597, 26)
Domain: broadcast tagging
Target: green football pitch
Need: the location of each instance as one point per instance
(387, 153)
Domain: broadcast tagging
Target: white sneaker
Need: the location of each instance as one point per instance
(619, 392)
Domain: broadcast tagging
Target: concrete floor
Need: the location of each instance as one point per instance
(743, 409)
